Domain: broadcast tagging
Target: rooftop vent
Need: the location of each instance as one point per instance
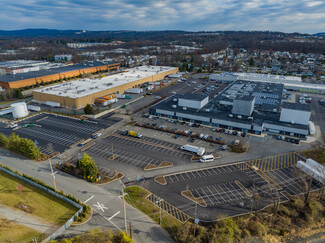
(184, 108)
(174, 106)
(174, 99)
(231, 115)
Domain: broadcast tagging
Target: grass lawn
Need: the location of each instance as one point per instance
(13, 232)
(7, 102)
(38, 202)
(136, 197)
(317, 154)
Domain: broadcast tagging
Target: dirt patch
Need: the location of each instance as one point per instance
(199, 200)
(155, 167)
(161, 180)
(196, 157)
(106, 179)
(24, 207)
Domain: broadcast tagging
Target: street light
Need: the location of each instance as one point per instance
(159, 205)
(126, 229)
(52, 174)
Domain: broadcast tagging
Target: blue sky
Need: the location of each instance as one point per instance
(276, 15)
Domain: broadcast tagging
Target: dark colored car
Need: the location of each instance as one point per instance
(234, 133)
(176, 136)
(192, 140)
(287, 139)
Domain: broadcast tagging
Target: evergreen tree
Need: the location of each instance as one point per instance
(88, 109)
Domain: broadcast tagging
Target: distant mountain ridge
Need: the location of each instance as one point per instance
(36, 32)
(33, 33)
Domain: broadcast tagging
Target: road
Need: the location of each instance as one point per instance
(104, 199)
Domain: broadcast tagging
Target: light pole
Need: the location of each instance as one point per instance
(52, 174)
(124, 208)
(159, 205)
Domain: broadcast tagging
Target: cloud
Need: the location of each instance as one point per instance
(277, 15)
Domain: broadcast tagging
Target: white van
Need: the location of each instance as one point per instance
(207, 158)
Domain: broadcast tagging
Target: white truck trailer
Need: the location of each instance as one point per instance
(312, 129)
(111, 101)
(193, 149)
(33, 108)
(134, 91)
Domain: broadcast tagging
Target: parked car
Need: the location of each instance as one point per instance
(176, 136)
(223, 147)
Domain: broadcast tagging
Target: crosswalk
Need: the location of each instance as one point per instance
(168, 208)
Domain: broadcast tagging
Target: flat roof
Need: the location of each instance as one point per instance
(267, 77)
(222, 113)
(195, 97)
(84, 87)
(296, 106)
(268, 96)
(44, 72)
(21, 63)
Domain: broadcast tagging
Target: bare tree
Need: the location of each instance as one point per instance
(50, 149)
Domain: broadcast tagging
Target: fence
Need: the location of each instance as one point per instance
(69, 222)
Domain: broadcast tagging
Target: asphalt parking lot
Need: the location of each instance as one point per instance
(61, 131)
(119, 151)
(228, 189)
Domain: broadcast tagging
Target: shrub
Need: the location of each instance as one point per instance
(88, 167)
(284, 210)
(256, 228)
(282, 232)
(88, 109)
(3, 140)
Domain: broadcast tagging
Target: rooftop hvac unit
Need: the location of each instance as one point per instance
(239, 117)
(184, 108)
(207, 110)
(174, 99)
(292, 122)
(174, 106)
(275, 110)
(231, 115)
(250, 118)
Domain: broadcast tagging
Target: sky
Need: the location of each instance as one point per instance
(302, 16)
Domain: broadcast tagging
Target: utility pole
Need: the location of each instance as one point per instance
(159, 205)
(125, 223)
(52, 174)
(195, 218)
(130, 230)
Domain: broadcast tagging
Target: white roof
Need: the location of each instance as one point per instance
(267, 77)
(84, 87)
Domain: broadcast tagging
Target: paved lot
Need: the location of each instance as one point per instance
(292, 181)
(61, 131)
(117, 150)
(228, 189)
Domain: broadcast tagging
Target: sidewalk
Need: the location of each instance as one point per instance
(25, 219)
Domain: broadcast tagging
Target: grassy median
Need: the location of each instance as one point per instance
(136, 197)
(13, 232)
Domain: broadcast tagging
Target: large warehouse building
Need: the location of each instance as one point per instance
(253, 107)
(290, 82)
(30, 78)
(77, 94)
